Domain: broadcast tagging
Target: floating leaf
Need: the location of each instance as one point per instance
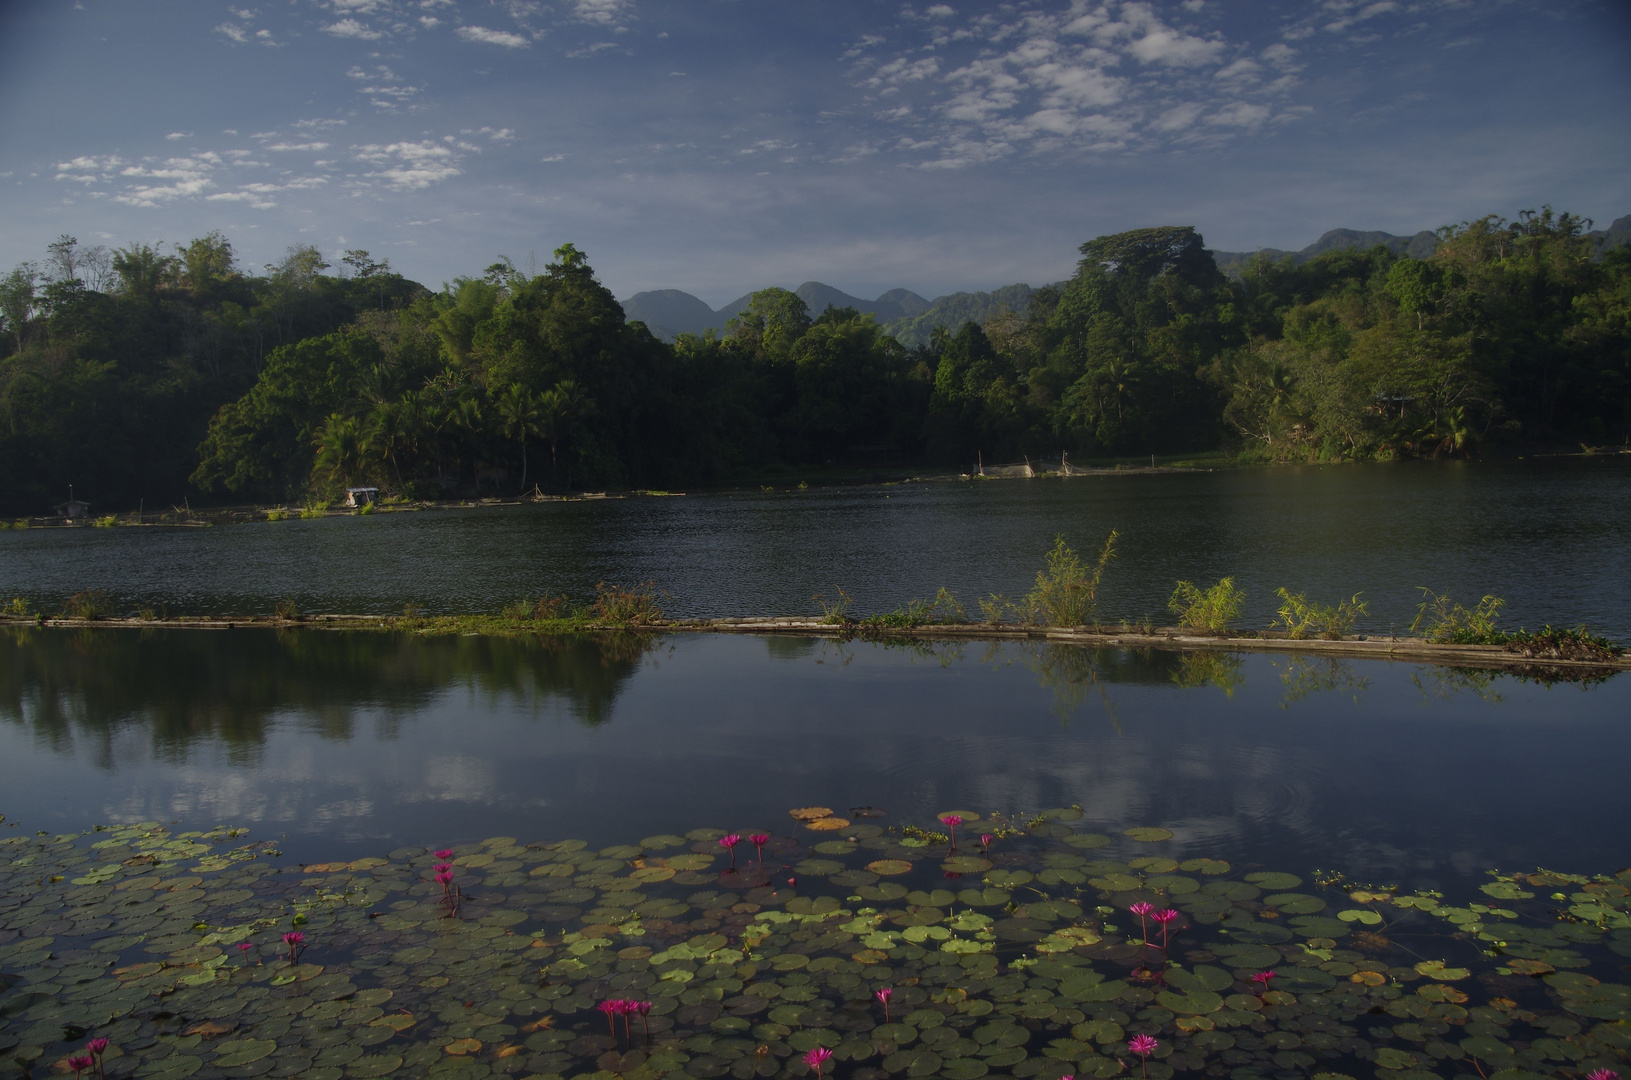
(459, 1047)
(810, 813)
(828, 824)
(968, 817)
(1148, 834)
(1435, 969)
(242, 1052)
(374, 1065)
(1295, 903)
(1273, 881)
(1210, 867)
(1360, 915)
(890, 867)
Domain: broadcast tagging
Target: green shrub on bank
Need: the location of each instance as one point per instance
(1445, 622)
(1209, 611)
(1304, 618)
(1066, 591)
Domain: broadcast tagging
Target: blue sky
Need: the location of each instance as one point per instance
(722, 145)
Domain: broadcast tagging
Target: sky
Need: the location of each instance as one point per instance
(719, 146)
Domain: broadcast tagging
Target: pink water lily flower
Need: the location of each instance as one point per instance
(1142, 909)
(759, 840)
(98, 1047)
(79, 1064)
(1143, 1046)
(1603, 1074)
(297, 944)
(729, 842)
(985, 842)
(609, 1008)
(1165, 919)
(952, 821)
(883, 997)
(1262, 980)
(444, 854)
(817, 1058)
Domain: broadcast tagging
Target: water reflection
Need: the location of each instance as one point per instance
(354, 743)
(230, 687)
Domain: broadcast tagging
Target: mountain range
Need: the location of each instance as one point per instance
(911, 319)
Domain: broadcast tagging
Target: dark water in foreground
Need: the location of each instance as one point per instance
(1553, 538)
(356, 744)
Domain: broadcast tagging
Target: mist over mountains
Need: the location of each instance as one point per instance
(911, 319)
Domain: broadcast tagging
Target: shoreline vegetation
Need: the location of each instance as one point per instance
(172, 376)
(1062, 607)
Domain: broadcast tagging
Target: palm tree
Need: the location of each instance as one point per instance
(559, 408)
(339, 448)
(520, 413)
(386, 433)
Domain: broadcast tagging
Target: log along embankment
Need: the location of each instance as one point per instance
(1400, 649)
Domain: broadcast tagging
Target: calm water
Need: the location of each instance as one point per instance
(1553, 538)
(360, 743)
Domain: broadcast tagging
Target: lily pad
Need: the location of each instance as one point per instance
(889, 867)
(1274, 881)
(1145, 834)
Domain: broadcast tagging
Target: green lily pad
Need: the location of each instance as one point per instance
(1295, 903)
(1146, 834)
(1273, 881)
(1210, 867)
(1435, 969)
(1363, 916)
(243, 1051)
(374, 1065)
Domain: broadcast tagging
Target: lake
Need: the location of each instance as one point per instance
(1552, 537)
(217, 845)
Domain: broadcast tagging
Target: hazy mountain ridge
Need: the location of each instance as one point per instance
(911, 318)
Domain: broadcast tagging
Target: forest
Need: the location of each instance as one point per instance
(155, 375)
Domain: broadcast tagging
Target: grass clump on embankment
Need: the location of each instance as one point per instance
(614, 607)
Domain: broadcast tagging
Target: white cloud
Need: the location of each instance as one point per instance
(408, 166)
(312, 147)
(603, 12)
(174, 135)
(940, 11)
(1179, 117)
(351, 28)
(236, 33)
(429, 22)
(1243, 69)
(591, 50)
(1163, 45)
(1050, 76)
(1240, 114)
(483, 36)
(1281, 56)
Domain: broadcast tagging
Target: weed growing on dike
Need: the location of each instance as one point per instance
(1304, 618)
(1067, 592)
(1209, 611)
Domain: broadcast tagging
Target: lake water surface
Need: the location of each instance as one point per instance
(349, 744)
(1552, 537)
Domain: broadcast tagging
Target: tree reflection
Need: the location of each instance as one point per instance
(230, 687)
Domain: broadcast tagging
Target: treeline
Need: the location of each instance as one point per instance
(140, 374)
